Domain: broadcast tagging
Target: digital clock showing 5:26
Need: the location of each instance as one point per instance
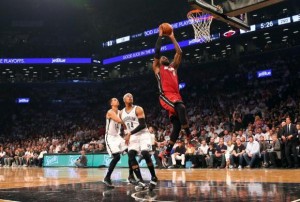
(273, 23)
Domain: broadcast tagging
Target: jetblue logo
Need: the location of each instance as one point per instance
(264, 73)
(72, 160)
(58, 60)
(107, 160)
(51, 160)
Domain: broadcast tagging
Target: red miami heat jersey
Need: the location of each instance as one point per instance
(167, 80)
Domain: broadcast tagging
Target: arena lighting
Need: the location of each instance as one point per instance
(229, 33)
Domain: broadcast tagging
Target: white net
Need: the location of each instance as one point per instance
(201, 23)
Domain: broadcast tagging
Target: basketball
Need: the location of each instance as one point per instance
(167, 29)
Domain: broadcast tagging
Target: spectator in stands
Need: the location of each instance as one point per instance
(263, 147)
(289, 137)
(199, 159)
(81, 162)
(227, 136)
(216, 138)
(240, 134)
(228, 152)
(237, 155)
(9, 157)
(280, 134)
(2, 155)
(274, 153)
(41, 156)
(190, 152)
(212, 140)
(19, 157)
(258, 134)
(238, 125)
(219, 154)
(179, 154)
(211, 150)
(243, 141)
(251, 153)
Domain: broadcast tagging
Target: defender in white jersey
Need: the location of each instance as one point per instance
(138, 139)
(115, 144)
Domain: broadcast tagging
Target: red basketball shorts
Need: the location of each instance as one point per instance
(167, 101)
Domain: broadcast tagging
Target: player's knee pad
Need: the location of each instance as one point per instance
(181, 113)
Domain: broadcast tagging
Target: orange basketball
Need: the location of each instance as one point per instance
(167, 29)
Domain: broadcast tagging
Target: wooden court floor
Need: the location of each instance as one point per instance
(77, 184)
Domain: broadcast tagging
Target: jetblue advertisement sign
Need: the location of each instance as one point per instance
(22, 100)
(93, 160)
(264, 73)
(45, 60)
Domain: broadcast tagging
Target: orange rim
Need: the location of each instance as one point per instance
(198, 11)
(194, 11)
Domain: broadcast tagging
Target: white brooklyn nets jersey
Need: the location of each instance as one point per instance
(112, 127)
(131, 120)
(140, 141)
(114, 142)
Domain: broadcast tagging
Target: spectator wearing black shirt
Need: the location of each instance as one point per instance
(237, 154)
(219, 154)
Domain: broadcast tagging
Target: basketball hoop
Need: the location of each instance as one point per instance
(201, 22)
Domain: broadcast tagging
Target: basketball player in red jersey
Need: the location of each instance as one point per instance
(169, 96)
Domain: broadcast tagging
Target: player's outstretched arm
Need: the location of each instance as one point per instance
(112, 115)
(155, 64)
(178, 54)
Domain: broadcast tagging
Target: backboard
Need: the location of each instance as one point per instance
(218, 14)
(237, 7)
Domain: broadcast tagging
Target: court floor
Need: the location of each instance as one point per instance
(75, 184)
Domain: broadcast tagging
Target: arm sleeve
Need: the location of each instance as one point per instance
(142, 125)
(157, 48)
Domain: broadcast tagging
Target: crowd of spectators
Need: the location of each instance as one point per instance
(226, 104)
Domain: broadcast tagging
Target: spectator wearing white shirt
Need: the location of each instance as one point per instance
(28, 157)
(199, 160)
(216, 138)
(258, 134)
(2, 155)
(240, 134)
(41, 157)
(252, 152)
(228, 152)
(268, 135)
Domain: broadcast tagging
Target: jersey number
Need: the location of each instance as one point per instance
(129, 125)
(117, 127)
